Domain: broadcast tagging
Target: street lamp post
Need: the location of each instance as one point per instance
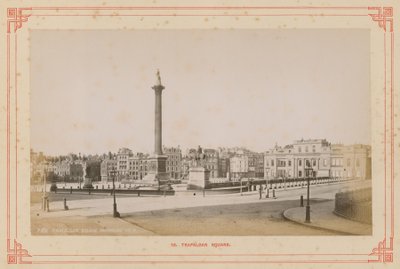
(240, 179)
(308, 212)
(284, 180)
(115, 212)
(44, 196)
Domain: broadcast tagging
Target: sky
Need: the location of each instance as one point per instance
(91, 89)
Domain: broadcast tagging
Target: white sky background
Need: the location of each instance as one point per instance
(91, 90)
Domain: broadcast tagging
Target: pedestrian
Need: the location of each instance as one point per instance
(260, 191)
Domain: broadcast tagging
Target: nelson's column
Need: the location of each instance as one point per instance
(157, 174)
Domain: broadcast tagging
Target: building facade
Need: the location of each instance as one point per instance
(247, 164)
(337, 168)
(76, 171)
(174, 161)
(123, 163)
(239, 166)
(317, 158)
(138, 166)
(357, 161)
(224, 168)
(211, 162)
(108, 169)
(62, 168)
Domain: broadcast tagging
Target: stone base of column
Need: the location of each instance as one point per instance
(88, 183)
(157, 176)
(153, 179)
(199, 178)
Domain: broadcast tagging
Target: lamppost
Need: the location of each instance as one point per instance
(240, 180)
(308, 213)
(284, 180)
(44, 197)
(115, 212)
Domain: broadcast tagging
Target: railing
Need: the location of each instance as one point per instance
(138, 192)
(355, 205)
(277, 183)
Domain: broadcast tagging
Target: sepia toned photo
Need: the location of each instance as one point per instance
(217, 132)
(187, 134)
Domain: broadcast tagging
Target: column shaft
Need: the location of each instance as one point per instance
(158, 123)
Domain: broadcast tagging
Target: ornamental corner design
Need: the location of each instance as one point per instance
(384, 17)
(17, 254)
(16, 17)
(382, 252)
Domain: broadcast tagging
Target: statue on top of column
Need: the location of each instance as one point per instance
(158, 77)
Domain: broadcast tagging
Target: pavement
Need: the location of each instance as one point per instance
(322, 217)
(97, 213)
(132, 204)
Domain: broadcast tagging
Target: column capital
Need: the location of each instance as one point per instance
(158, 87)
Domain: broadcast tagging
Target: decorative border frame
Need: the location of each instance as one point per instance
(19, 17)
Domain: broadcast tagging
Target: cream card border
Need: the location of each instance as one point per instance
(18, 18)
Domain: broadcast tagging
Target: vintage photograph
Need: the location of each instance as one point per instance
(199, 132)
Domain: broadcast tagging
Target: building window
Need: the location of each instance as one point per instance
(290, 163)
(314, 162)
(300, 163)
(272, 162)
(306, 148)
(325, 162)
(300, 174)
(299, 149)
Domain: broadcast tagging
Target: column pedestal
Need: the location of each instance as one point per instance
(199, 178)
(157, 175)
(88, 183)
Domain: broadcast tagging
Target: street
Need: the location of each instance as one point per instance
(182, 214)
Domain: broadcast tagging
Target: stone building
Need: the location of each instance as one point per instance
(41, 169)
(239, 166)
(123, 163)
(247, 164)
(62, 168)
(76, 171)
(138, 166)
(223, 167)
(108, 169)
(337, 168)
(211, 162)
(126, 166)
(174, 161)
(357, 161)
(291, 161)
(324, 159)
